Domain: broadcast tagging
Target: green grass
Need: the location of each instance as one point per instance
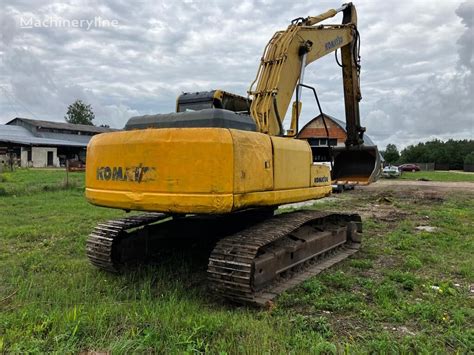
(27, 181)
(438, 176)
(405, 291)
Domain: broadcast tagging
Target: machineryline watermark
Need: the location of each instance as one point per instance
(58, 22)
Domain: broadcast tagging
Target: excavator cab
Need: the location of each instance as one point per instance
(220, 99)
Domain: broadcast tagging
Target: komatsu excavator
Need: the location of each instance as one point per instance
(222, 164)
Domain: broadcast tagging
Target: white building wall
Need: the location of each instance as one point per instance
(3, 159)
(24, 157)
(39, 157)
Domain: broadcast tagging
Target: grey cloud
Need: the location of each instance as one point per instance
(8, 28)
(466, 42)
(416, 57)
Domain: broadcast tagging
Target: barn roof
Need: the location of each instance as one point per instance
(62, 125)
(342, 124)
(20, 135)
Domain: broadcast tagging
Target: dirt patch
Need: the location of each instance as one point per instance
(405, 185)
(382, 213)
(428, 196)
(389, 194)
(380, 206)
(429, 229)
(346, 326)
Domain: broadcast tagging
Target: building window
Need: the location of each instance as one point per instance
(29, 155)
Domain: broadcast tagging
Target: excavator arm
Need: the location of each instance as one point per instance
(281, 72)
(282, 69)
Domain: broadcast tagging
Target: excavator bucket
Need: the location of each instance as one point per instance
(356, 165)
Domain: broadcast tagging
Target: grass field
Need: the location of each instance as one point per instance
(407, 290)
(438, 176)
(27, 181)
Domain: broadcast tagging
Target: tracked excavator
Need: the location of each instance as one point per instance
(220, 166)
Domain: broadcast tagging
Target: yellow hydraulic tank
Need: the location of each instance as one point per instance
(199, 170)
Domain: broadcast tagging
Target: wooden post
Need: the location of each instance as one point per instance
(67, 172)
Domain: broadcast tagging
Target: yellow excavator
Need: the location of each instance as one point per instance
(221, 165)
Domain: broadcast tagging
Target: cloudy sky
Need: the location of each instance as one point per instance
(131, 58)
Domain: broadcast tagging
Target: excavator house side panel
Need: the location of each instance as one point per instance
(295, 178)
(320, 175)
(253, 162)
(292, 163)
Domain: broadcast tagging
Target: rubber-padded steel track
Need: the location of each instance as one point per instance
(102, 244)
(232, 272)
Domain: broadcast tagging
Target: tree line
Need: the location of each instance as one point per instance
(455, 153)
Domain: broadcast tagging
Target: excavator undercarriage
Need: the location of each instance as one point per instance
(257, 256)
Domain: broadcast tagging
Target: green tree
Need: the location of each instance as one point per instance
(79, 113)
(391, 154)
(469, 160)
(452, 152)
